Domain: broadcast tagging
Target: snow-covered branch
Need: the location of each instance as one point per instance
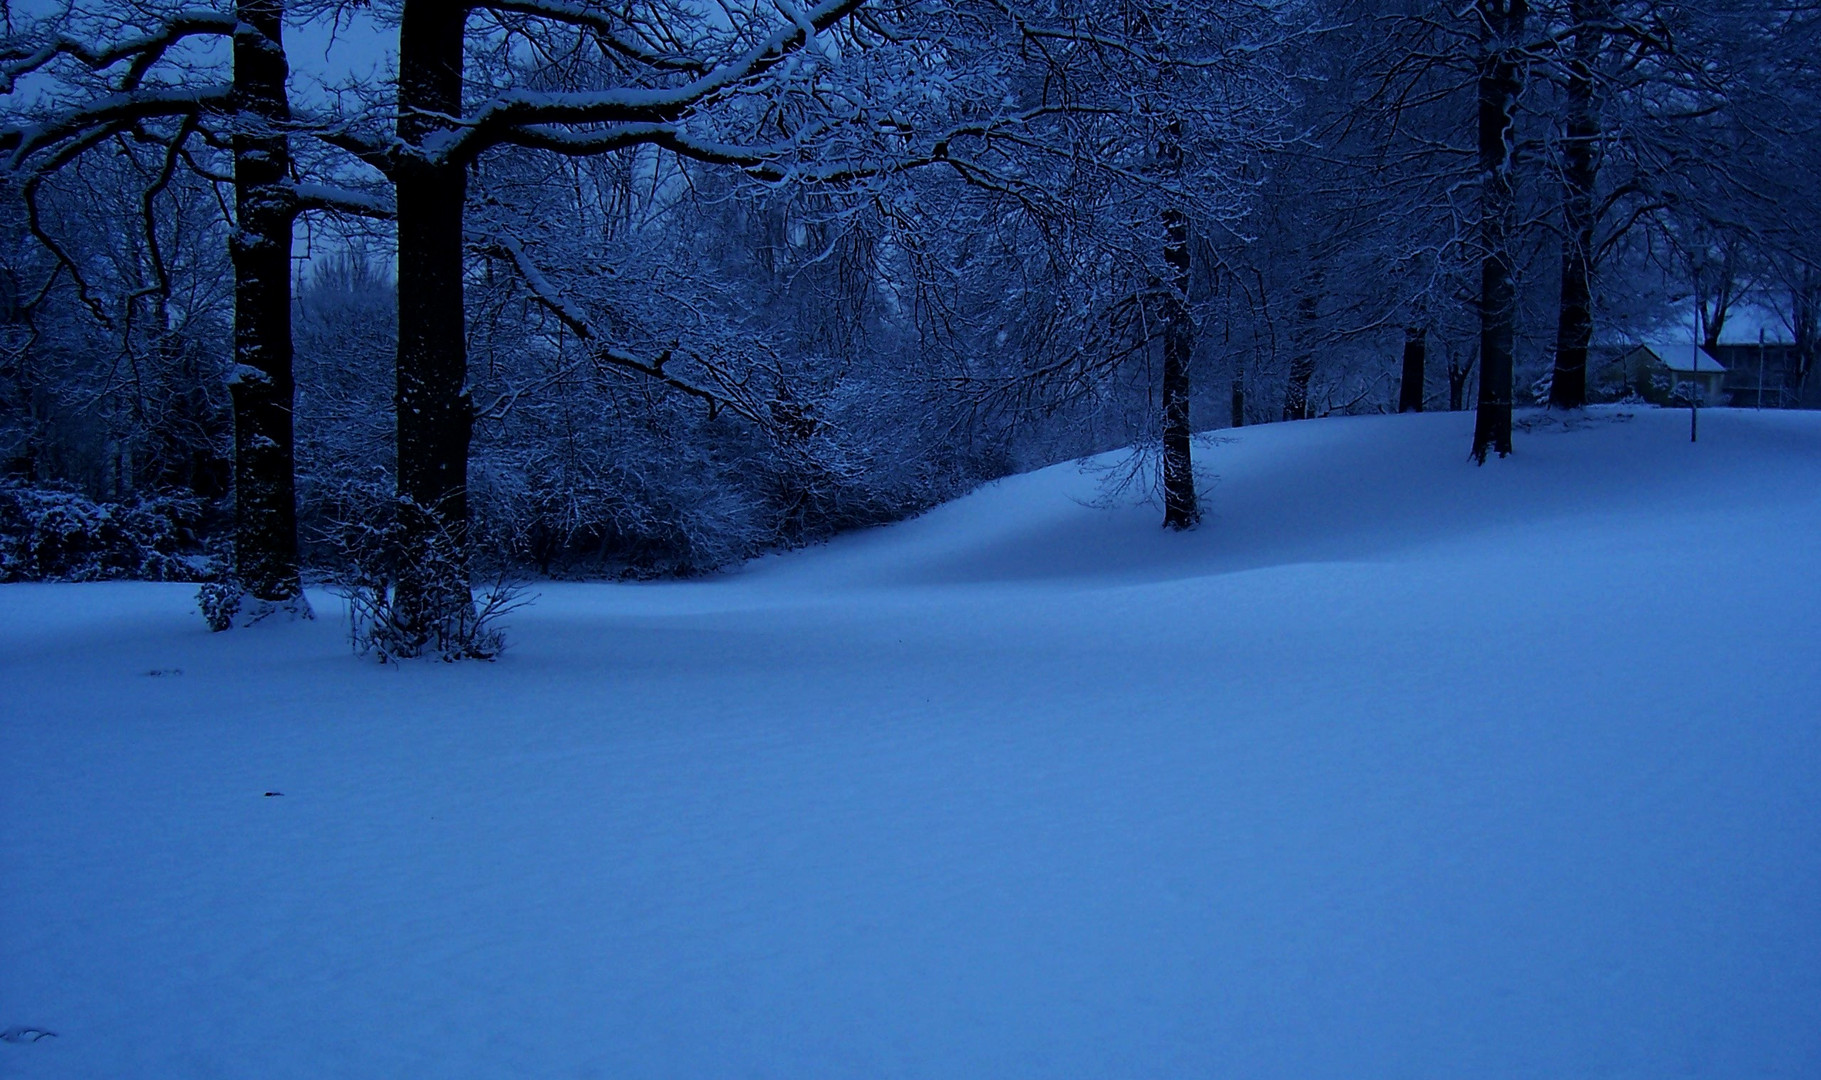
(27, 55)
(727, 393)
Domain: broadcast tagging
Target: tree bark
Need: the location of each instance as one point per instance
(1302, 363)
(1237, 401)
(1501, 30)
(1574, 322)
(1179, 507)
(1805, 305)
(1724, 295)
(261, 387)
(1416, 353)
(435, 416)
(1458, 374)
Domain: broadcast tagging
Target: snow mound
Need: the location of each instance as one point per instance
(1341, 490)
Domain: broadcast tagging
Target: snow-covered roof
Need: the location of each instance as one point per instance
(1686, 358)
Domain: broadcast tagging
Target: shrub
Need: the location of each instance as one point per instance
(220, 603)
(58, 534)
(402, 599)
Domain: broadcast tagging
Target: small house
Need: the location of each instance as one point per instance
(1654, 372)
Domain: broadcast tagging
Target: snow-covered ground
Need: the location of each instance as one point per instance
(1397, 767)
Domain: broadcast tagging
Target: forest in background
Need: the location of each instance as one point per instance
(649, 288)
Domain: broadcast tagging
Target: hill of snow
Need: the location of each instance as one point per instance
(1396, 767)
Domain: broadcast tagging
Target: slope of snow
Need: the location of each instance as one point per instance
(1396, 767)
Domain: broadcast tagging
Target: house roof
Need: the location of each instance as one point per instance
(1691, 358)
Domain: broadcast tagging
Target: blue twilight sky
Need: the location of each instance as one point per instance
(322, 52)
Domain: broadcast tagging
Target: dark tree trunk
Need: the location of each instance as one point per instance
(1416, 354)
(1179, 505)
(261, 387)
(1724, 294)
(1805, 303)
(1296, 388)
(1179, 508)
(1302, 363)
(435, 416)
(1458, 374)
(1574, 324)
(1238, 400)
(1501, 33)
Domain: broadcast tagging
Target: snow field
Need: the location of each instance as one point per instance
(1397, 767)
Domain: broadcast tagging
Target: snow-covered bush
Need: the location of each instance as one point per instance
(57, 534)
(379, 625)
(219, 602)
(395, 561)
